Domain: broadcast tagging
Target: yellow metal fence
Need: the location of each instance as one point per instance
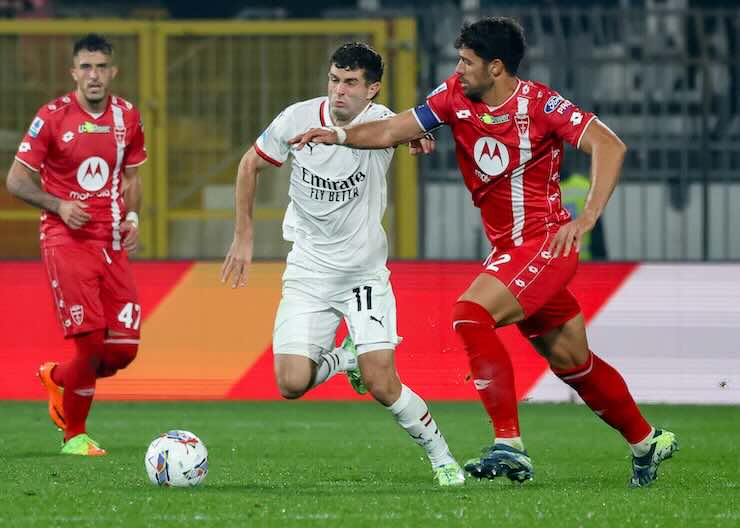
(205, 90)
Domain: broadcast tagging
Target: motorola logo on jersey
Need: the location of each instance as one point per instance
(491, 156)
(93, 174)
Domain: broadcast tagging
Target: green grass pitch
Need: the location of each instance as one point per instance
(348, 464)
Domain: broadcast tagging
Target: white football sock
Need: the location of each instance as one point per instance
(514, 441)
(413, 415)
(338, 360)
(642, 447)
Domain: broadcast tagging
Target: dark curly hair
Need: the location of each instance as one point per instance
(495, 38)
(356, 55)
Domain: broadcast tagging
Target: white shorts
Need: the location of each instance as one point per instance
(312, 306)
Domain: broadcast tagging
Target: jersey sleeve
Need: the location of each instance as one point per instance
(564, 119)
(136, 151)
(35, 144)
(272, 145)
(435, 111)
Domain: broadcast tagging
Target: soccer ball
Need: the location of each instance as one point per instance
(176, 458)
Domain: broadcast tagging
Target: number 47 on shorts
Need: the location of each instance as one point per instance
(130, 316)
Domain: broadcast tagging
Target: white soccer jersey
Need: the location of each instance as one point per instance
(338, 195)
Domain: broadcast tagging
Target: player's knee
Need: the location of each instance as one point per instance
(120, 351)
(469, 317)
(562, 356)
(292, 385)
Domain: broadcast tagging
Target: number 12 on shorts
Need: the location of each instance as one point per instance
(126, 316)
(368, 292)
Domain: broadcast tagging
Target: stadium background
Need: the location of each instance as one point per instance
(662, 290)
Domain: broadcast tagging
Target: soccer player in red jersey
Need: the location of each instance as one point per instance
(87, 147)
(509, 136)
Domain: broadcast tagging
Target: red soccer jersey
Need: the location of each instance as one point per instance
(510, 155)
(82, 157)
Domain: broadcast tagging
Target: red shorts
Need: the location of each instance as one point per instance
(538, 282)
(93, 288)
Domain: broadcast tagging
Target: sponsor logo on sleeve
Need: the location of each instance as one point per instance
(36, 125)
(24, 147)
(552, 103)
(564, 106)
(576, 118)
(441, 88)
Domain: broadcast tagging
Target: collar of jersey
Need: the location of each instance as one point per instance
(107, 104)
(330, 121)
(516, 91)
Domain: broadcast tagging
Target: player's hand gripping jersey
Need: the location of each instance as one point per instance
(510, 155)
(338, 195)
(83, 157)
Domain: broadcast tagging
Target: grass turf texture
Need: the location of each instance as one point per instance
(349, 464)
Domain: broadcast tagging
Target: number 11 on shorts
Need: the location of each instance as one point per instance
(126, 316)
(369, 293)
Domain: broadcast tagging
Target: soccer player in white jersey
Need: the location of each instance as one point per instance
(337, 266)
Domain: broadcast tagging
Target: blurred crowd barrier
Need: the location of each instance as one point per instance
(206, 90)
(665, 79)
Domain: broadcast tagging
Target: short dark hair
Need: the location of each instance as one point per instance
(93, 42)
(356, 55)
(495, 38)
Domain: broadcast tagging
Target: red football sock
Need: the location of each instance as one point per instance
(119, 352)
(78, 377)
(605, 392)
(490, 364)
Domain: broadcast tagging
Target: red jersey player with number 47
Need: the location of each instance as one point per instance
(86, 146)
(509, 136)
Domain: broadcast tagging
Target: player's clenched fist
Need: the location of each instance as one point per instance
(73, 213)
(237, 262)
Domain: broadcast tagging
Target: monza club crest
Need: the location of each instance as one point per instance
(78, 314)
(120, 134)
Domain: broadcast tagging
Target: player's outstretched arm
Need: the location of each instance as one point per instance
(607, 155)
(21, 184)
(401, 128)
(239, 257)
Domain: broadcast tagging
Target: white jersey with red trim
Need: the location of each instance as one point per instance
(337, 194)
(81, 156)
